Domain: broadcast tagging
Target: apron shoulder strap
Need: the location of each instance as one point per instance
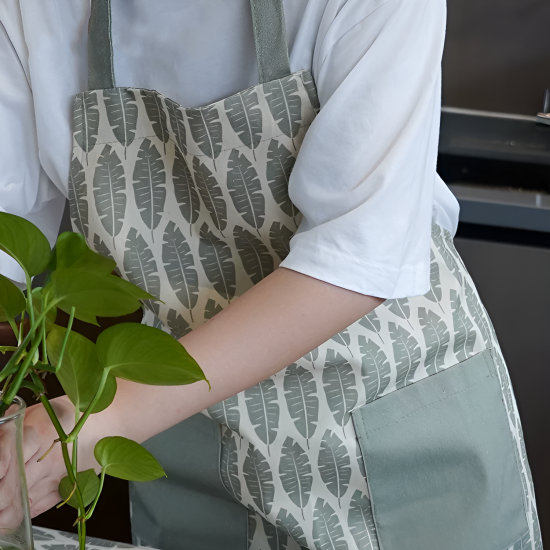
(269, 35)
(101, 73)
(268, 19)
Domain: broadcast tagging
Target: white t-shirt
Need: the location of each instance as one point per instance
(365, 180)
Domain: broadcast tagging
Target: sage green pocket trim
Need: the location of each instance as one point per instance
(440, 462)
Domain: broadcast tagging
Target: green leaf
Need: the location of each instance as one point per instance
(149, 184)
(126, 459)
(72, 251)
(110, 191)
(146, 355)
(12, 300)
(245, 189)
(24, 242)
(37, 305)
(88, 483)
(92, 294)
(256, 258)
(81, 370)
(45, 367)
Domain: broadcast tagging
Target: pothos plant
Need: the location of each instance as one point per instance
(81, 283)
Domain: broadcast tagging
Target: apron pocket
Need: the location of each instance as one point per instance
(440, 462)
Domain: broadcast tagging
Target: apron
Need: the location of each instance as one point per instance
(401, 432)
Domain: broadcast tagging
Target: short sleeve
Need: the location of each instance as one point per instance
(364, 178)
(25, 189)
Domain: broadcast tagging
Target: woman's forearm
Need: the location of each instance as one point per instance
(269, 327)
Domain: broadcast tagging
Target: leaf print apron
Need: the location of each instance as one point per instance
(400, 433)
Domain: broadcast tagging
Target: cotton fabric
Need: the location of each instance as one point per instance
(365, 180)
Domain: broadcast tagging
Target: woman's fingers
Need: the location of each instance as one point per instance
(50, 500)
(50, 466)
(42, 492)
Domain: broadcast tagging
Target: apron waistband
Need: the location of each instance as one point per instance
(269, 35)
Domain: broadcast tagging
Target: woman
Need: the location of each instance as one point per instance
(192, 203)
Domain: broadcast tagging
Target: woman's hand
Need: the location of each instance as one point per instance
(42, 477)
(269, 327)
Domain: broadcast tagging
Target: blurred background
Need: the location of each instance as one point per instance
(496, 159)
(497, 59)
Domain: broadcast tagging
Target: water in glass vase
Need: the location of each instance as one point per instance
(15, 518)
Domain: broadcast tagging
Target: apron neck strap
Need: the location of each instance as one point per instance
(269, 35)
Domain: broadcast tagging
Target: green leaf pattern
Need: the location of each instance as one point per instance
(205, 219)
(110, 191)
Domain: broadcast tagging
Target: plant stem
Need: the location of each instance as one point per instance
(66, 339)
(7, 399)
(21, 328)
(75, 456)
(29, 297)
(16, 354)
(81, 508)
(80, 424)
(94, 503)
(53, 417)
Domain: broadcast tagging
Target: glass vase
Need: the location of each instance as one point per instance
(15, 517)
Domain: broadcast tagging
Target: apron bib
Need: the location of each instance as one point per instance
(193, 206)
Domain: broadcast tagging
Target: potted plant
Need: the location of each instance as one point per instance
(80, 282)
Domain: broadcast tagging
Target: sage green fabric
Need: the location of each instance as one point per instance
(101, 72)
(440, 463)
(191, 507)
(268, 20)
